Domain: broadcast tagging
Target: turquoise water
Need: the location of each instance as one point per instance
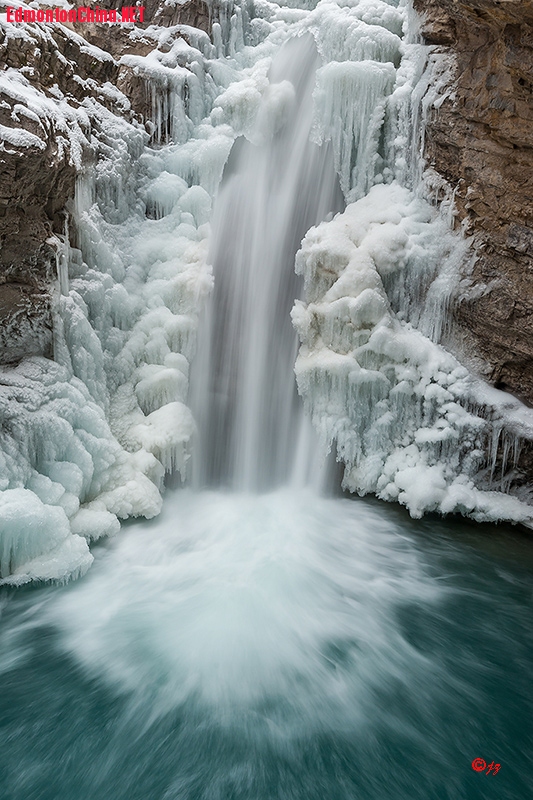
(279, 646)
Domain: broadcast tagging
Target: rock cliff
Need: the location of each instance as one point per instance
(54, 79)
(481, 141)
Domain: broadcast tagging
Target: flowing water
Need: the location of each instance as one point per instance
(261, 641)
(244, 397)
(252, 647)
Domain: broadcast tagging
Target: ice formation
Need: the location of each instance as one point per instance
(87, 438)
(400, 408)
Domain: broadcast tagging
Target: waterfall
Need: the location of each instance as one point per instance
(219, 218)
(244, 391)
(255, 278)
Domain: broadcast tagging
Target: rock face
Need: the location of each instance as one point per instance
(39, 87)
(48, 73)
(481, 141)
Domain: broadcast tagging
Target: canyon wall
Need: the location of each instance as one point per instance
(54, 79)
(481, 141)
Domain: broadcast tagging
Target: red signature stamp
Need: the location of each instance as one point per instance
(480, 765)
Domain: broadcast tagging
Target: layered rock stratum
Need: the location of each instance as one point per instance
(480, 139)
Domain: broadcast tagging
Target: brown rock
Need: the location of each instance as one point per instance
(481, 141)
(194, 13)
(36, 182)
(25, 321)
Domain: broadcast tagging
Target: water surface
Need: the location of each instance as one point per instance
(252, 647)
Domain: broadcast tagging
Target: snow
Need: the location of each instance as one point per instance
(51, 116)
(18, 137)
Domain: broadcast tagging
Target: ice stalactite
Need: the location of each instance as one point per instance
(356, 141)
(395, 403)
(78, 451)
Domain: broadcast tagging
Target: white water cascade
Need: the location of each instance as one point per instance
(249, 417)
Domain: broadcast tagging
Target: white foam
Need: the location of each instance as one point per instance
(232, 600)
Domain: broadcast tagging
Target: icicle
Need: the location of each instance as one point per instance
(350, 101)
(395, 403)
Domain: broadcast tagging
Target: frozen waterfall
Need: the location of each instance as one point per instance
(256, 280)
(191, 223)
